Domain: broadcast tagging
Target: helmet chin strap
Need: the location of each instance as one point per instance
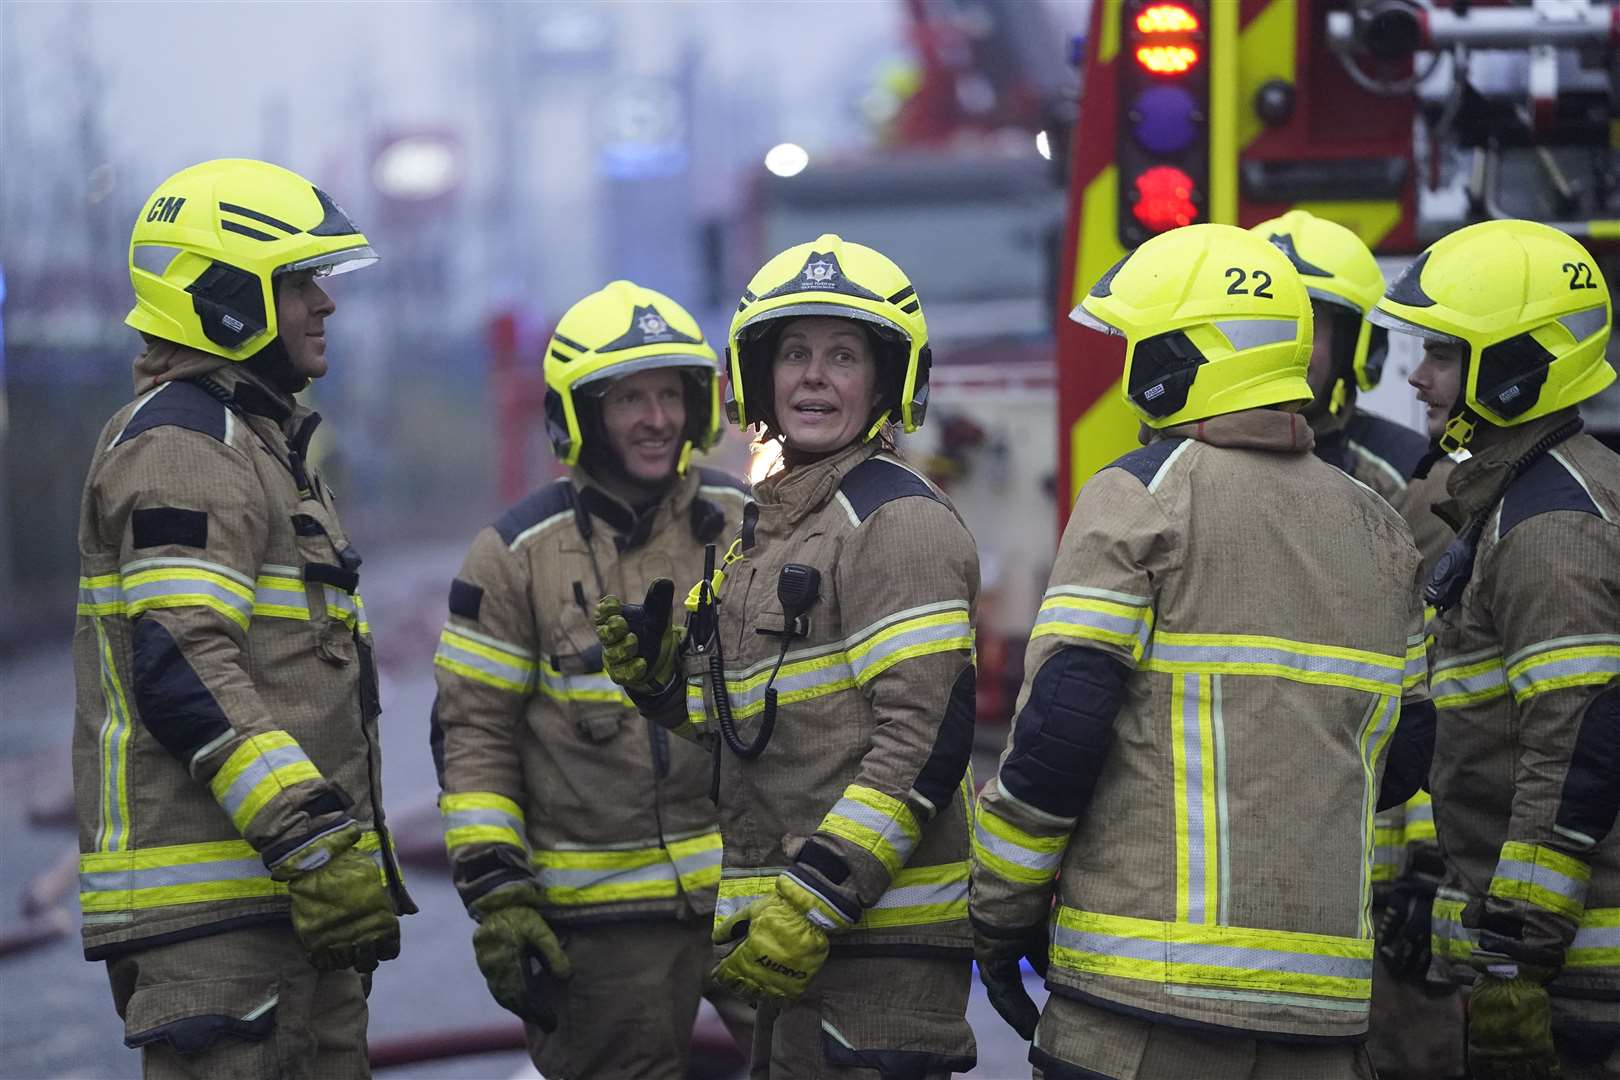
(1459, 430)
(274, 366)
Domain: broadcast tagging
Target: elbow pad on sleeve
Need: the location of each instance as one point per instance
(953, 747)
(1062, 737)
(176, 706)
(1591, 797)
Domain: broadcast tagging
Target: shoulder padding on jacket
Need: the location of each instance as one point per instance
(877, 481)
(555, 498)
(178, 404)
(1546, 486)
(717, 478)
(1144, 464)
(1400, 446)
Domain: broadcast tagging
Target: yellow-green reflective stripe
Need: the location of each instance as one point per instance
(600, 876)
(1541, 876)
(1013, 854)
(1223, 957)
(486, 660)
(1597, 942)
(258, 770)
(170, 583)
(697, 861)
(1075, 611)
(100, 595)
(1417, 662)
(593, 688)
(481, 817)
(1467, 680)
(917, 896)
(1375, 734)
(112, 832)
(875, 822)
(1588, 660)
(1389, 847)
(1197, 840)
(1448, 937)
(1419, 817)
(1253, 654)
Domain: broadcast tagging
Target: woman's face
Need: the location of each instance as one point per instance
(825, 379)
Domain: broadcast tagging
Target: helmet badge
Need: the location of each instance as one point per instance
(650, 323)
(820, 272)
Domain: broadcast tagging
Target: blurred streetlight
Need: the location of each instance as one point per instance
(415, 168)
(786, 159)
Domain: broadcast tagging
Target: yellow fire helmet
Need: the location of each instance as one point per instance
(1530, 309)
(211, 239)
(1339, 271)
(1215, 320)
(618, 331)
(836, 277)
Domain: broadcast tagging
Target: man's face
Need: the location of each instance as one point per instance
(643, 415)
(825, 380)
(302, 307)
(1438, 380)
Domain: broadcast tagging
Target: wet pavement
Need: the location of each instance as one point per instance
(56, 1014)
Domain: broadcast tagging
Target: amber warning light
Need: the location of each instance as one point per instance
(1166, 19)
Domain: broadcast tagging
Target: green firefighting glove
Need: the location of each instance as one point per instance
(340, 908)
(640, 644)
(779, 942)
(514, 947)
(999, 953)
(1510, 1024)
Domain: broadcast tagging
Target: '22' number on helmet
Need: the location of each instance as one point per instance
(1580, 275)
(1262, 279)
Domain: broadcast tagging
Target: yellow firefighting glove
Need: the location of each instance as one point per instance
(640, 644)
(999, 954)
(778, 943)
(514, 947)
(340, 909)
(1510, 1024)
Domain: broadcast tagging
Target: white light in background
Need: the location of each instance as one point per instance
(1043, 145)
(786, 159)
(416, 167)
(763, 458)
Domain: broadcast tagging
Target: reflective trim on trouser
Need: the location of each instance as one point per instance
(1468, 679)
(1538, 875)
(917, 896)
(154, 877)
(877, 823)
(1214, 957)
(486, 660)
(574, 876)
(481, 817)
(1280, 658)
(1100, 615)
(261, 767)
(1448, 937)
(112, 825)
(1583, 660)
(1597, 942)
(1014, 855)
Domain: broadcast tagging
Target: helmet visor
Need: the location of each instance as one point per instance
(598, 381)
(1090, 321)
(333, 262)
(1334, 298)
(1390, 321)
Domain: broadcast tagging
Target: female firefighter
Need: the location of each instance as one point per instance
(829, 663)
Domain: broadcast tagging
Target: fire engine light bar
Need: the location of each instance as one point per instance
(1167, 59)
(1166, 19)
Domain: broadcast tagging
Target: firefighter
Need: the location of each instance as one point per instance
(1214, 682)
(1416, 1026)
(235, 872)
(579, 834)
(1514, 317)
(829, 660)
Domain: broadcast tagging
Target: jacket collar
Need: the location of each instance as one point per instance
(630, 528)
(794, 494)
(166, 361)
(1251, 429)
(1477, 480)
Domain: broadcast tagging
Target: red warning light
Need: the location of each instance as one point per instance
(1167, 59)
(1166, 19)
(1164, 198)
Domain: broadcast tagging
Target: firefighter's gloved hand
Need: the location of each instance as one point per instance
(640, 644)
(340, 908)
(514, 947)
(777, 943)
(1510, 1024)
(1403, 929)
(999, 953)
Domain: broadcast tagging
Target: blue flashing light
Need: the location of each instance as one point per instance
(1165, 119)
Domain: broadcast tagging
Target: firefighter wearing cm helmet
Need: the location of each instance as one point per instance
(1416, 1027)
(235, 856)
(1144, 786)
(832, 659)
(1526, 656)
